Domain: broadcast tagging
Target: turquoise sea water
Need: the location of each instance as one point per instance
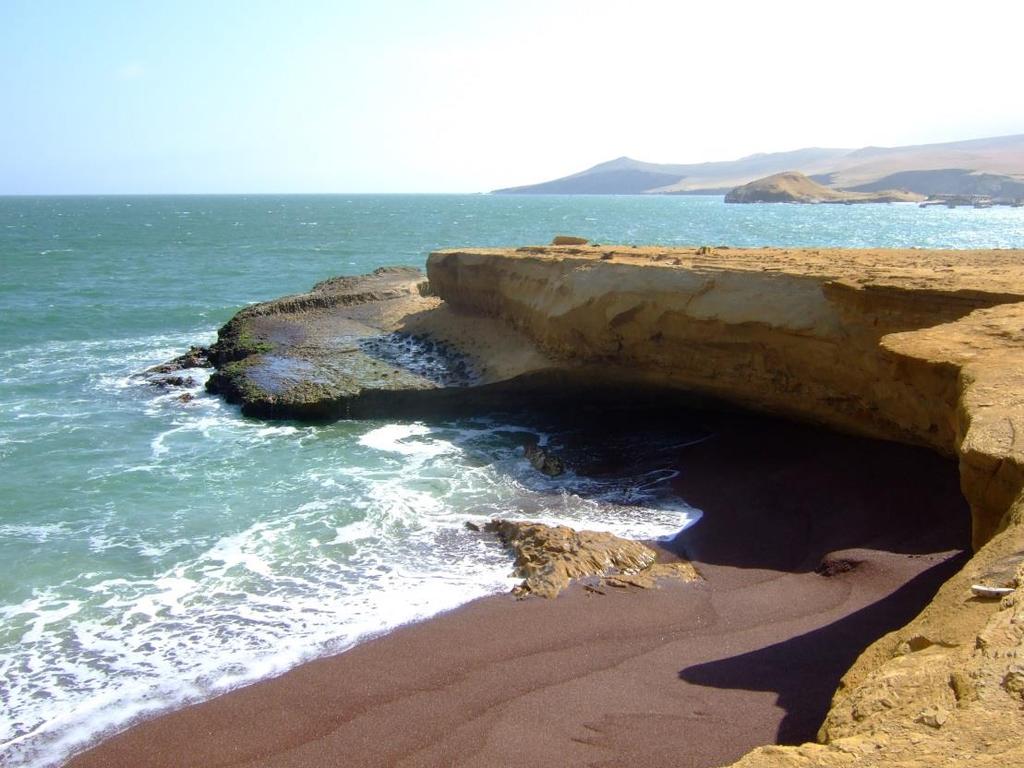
(155, 552)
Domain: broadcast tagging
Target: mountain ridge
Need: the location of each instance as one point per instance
(997, 161)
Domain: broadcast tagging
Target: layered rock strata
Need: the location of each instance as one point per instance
(820, 335)
(925, 347)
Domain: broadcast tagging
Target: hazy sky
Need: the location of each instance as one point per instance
(446, 95)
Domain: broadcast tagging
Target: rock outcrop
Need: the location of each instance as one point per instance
(794, 187)
(311, 355)
(544, 461)
(169, 375)
(568, 240)
(549, 557)
(925, 347)
(365, 346)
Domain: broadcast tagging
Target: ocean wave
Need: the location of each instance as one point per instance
(374, 540)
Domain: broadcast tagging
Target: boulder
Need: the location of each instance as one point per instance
(544, 461)
(549, 557)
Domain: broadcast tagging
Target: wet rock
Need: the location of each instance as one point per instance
(167, 375)
(326, 354)
(180, 381)
(544, 461)
(548, 558)
(569, 240)
(196, 357)
(188, 397)
(341, 351)
(169, 382)
(433, 360)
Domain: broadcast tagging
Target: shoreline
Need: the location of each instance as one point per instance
(918, 347)
(701, 673)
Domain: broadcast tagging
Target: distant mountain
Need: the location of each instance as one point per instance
(959, 167)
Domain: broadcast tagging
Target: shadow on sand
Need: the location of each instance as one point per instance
(804, 671)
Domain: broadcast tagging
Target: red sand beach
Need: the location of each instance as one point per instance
(684, 675)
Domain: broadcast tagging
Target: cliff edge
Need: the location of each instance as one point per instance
(922, 347)
(925, 347)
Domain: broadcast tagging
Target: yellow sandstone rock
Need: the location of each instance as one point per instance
(549, 557)
(925, 347)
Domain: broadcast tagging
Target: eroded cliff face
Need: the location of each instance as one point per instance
(817, 335)
(925, 347)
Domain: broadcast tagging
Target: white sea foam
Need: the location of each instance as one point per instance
(35, 533)
(401, 438)
(354, 532)
(363, 533)
(234, 613)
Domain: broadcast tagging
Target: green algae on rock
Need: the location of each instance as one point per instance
(308, 356)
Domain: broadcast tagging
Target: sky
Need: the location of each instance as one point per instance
(178, 96)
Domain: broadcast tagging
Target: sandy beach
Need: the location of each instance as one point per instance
(812, 545)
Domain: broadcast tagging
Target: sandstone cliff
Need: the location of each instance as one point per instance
(924, 347)
(918, 346)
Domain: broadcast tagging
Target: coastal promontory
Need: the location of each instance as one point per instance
(917, 347)
(925, 347)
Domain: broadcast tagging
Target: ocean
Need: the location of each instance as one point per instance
(156, 552)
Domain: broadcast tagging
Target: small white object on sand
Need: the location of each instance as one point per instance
(993, 593)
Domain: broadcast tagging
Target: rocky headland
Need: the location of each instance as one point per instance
(925, 347)
(795, 187)
(919, 347)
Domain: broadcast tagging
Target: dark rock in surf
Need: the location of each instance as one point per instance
(544, 461)
(166, 382)
(196, 357)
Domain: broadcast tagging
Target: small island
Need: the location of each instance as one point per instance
(795, 187)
